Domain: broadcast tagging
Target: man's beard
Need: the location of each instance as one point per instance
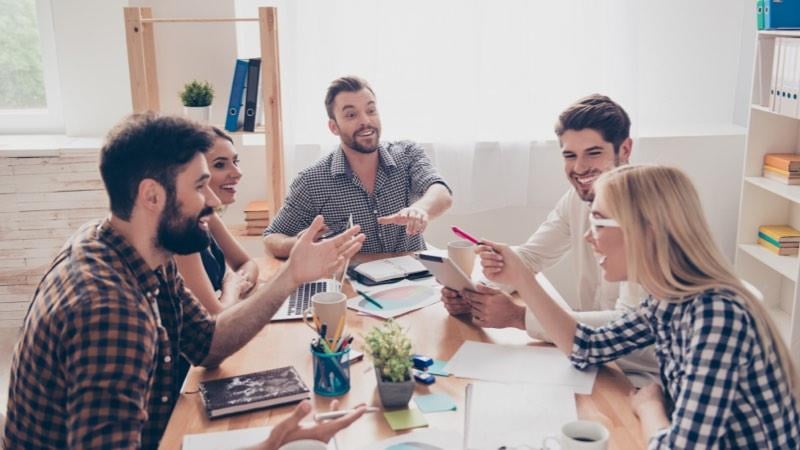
(353, 143)
(180, 234)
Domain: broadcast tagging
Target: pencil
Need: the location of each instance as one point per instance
(369, 299)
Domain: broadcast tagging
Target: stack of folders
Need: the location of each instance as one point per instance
(780, 239)
(777, 14)
(256, 217)
(783, 167)
(244, 99)
(785, 77)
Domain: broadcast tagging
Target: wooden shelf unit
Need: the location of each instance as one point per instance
(141, 42)
(768, 202)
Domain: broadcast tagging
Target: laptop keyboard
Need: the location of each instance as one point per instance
(300, 300)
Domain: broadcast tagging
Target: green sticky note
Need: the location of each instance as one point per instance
(405, 419)
(435, 403)
(438, 368)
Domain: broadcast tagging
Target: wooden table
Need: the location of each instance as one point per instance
(433, 333)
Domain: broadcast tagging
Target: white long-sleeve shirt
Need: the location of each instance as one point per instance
(598, 301)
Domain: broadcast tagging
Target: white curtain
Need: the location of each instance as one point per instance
(479, 82)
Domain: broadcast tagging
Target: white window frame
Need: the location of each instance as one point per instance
(51, 118)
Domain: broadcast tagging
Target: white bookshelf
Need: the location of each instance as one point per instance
(768, 202)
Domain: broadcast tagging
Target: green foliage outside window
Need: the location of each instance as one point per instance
(21, 76)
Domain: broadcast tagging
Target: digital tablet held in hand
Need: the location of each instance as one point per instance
(446, 272)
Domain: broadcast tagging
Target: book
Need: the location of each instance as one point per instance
(786, 242)
(257, 206)
(783, 251)
(232, 122)
(780, 233)
(387, 269)
(772, 175)
(251, 96)
(257, 223)
(530, 412)
(787, 162)
(256, 215)
(785, 173)
(252, 391)
(233, 439)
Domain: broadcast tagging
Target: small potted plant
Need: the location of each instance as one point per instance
(196, 97)
(390, 350)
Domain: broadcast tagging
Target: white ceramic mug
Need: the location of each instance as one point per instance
(580, 435)
(330, 308)
(462, 253)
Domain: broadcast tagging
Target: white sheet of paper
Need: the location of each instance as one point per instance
(232, 440)
(519, 364)
(529, 414)
(398, 298)
(425, 439)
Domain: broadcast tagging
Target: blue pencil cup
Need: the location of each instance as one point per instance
(331, 375)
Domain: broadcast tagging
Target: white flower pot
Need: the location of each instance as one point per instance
(200, 114)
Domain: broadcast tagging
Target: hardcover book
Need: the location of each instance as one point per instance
(387, 269)
(780, 233)
(788, 162)
(252, 391)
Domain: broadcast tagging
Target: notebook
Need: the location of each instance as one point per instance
(530, 412)
(389, 269)
(300, 300)
(252, 391)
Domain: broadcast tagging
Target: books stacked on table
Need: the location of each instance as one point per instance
(256, 217)
(783, 167)
(252, 391)
(779, 239)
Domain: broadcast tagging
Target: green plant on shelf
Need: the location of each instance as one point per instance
(197, 93)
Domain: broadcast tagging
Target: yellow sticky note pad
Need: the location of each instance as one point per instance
(405, 419)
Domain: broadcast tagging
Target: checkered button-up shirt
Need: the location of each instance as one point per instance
(729, 392)
(95, 363)
(331, 188)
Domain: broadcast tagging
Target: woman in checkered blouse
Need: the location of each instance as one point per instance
(729, 375)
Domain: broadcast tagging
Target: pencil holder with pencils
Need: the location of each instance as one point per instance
(331, 371)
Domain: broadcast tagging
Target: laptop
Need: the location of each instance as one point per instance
(300, 300)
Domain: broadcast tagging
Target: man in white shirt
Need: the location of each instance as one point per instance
(594, 135)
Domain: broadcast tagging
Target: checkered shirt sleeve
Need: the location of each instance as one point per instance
(728, 390)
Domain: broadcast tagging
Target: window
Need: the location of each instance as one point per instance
(29, 95)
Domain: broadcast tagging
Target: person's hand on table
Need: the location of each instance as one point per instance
(454, 303)
(290, 429)
(493, 308)
(413, 218)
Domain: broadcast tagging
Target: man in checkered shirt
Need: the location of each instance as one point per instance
(391, 188)
(95, 365)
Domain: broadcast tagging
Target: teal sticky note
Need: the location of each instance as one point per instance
(438, 368)
(435, 403)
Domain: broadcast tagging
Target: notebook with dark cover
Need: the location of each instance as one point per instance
(252, 391)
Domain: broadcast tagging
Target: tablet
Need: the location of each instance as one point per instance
(446, 272)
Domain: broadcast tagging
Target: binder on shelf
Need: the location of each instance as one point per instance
(237, 95)
(781, 14)
(774, 93)
(760, 14)
(251, 98)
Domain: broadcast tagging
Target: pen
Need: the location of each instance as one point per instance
(341, 413)
(369, 299)
(465, 235)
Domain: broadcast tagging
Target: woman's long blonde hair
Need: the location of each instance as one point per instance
(669, 247)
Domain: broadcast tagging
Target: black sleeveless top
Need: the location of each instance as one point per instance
(214, 263)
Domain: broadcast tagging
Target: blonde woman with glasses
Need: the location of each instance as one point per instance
(729, 376)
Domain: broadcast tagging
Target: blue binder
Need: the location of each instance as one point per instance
(781, 14)
(237, 94)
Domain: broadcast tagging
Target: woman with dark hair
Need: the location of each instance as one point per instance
(207, 273)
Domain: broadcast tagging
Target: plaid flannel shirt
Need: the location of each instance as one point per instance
(95, 364)
(329, 187)
(728, 391)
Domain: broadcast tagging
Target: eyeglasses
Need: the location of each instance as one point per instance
(597, 223)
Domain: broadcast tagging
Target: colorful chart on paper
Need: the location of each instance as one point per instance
(400, 297)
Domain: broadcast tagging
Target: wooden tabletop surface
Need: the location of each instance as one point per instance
(433, 333)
